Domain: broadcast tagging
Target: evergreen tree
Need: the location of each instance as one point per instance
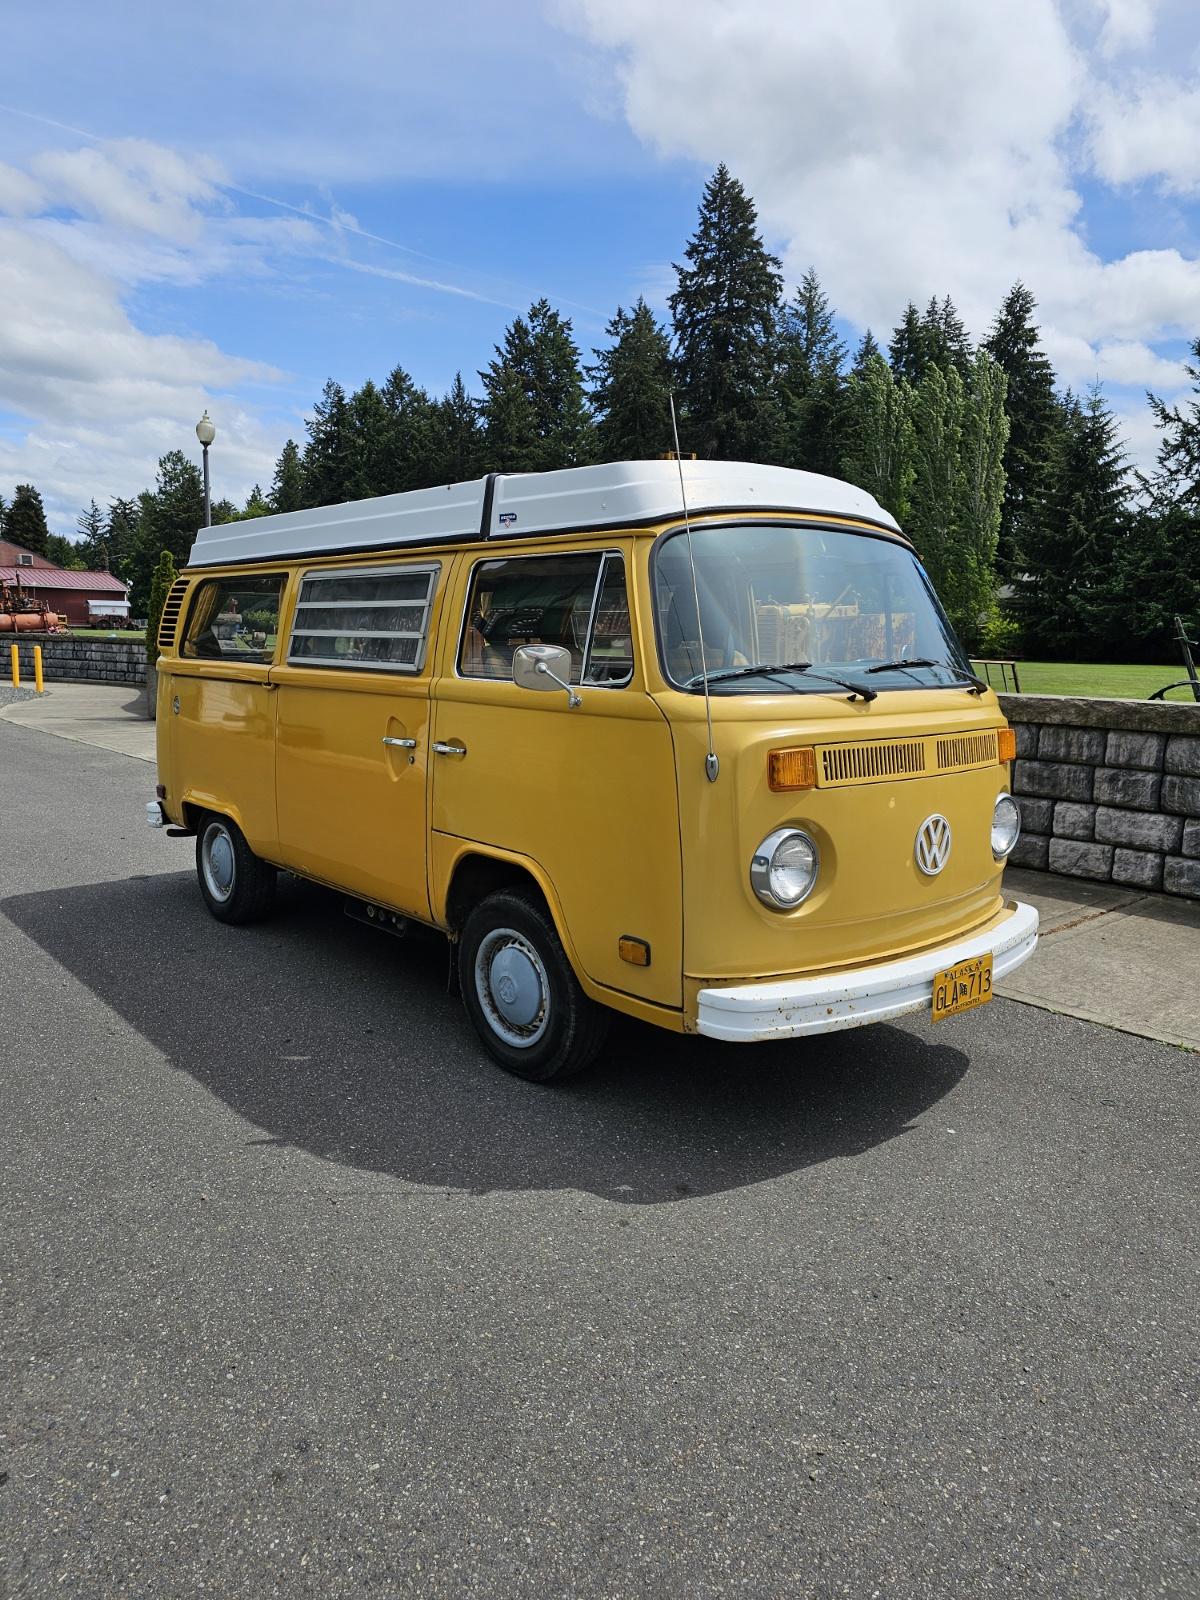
(1158, 577)
(64, 553)
(412, 436)
(553, 429)
(327, 463)
(725, 310)
(510, 436)
(121, 537)
(631, 387)
(456, 439)
(25, 523)
(93, 551)
(224, 510)
(371, 466)
(257, 504)
(908, 351)
(868, 347)
(3, 514)
(1034, 418)
(1177, 478)
(810, 378)
(877, 450)
(287, 487)
(1071, 601)
(946, 341)
(169, 520)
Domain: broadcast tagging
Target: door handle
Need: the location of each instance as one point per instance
(401, 744)
(449, 749)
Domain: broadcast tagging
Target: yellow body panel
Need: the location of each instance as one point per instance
(606, 806)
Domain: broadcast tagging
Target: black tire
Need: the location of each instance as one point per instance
(541, 1026)
(236, 886)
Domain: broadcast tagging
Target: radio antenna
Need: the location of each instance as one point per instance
(711, 765)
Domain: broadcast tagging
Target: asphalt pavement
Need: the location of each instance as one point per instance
(303, 1295)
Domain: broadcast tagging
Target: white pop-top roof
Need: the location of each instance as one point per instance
(616, 495)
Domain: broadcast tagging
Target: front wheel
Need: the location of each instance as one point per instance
(237, 886)
(520, 992)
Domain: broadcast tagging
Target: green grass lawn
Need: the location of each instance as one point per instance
(137, 635)
(1093, 679)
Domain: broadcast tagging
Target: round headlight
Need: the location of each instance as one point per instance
(784, 868)
(1006, 825)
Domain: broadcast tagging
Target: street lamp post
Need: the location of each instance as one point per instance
(206, 433)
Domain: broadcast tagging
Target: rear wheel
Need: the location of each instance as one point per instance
(520, 992)
(236, 885)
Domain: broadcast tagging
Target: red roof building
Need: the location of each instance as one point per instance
(72, 594)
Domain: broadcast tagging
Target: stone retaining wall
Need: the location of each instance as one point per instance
(1108, 789)
(67, 660)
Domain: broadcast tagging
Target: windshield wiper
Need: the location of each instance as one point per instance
(978, 686)
(766, 669)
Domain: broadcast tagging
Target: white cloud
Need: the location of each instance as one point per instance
(1128, 25)
(1151, 129)
(19, 194)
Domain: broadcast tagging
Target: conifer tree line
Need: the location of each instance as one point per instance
(1038, 536)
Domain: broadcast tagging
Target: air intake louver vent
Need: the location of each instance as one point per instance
(859, 763)
(883, 759)
(966, 750)
(169, 620)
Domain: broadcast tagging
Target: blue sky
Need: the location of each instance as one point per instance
(223, 207)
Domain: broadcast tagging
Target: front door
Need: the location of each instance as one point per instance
(352, 746)
(587, 794)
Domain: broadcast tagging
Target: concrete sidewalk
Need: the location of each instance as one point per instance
(1118, 956)
(1106, 954)
(106, 715)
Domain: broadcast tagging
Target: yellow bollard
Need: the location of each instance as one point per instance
(37, 669)
(16, 668)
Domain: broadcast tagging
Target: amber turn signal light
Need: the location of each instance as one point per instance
(635, 951)
(792, 769)
(1006, 744)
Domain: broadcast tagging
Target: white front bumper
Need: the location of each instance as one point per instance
(848, 999)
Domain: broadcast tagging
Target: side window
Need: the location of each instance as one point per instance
(373, 618)
(234, 619)
(577, 602)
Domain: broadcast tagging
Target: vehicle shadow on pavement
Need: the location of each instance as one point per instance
(344, 1042)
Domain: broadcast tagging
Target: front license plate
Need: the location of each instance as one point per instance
(962, 987)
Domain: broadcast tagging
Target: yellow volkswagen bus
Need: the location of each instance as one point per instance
(695, 743)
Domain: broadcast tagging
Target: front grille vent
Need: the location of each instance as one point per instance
(878, 760)
(169, 620)
(860, 763)
(966, 750)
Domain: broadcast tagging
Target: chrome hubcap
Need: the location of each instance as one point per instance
(216, 857)
(512, 987)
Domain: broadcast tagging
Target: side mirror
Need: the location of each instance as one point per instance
(544, 666)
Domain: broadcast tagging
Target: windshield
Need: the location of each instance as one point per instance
(774, 595)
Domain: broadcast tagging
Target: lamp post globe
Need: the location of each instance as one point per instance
(206, 433)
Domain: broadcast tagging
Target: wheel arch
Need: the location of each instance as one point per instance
(474, 872)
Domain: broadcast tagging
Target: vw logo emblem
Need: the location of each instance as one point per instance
(933, 844)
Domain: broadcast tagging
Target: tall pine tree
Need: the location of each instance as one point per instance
(1070, 600)
(327, 455)
(1034, 418)
(539, 361)
(287, 486)
(725, 312)
(810, 380)
(456, 436)
(631, 387)
(25, 523)
(411, 435)
(93, 540)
